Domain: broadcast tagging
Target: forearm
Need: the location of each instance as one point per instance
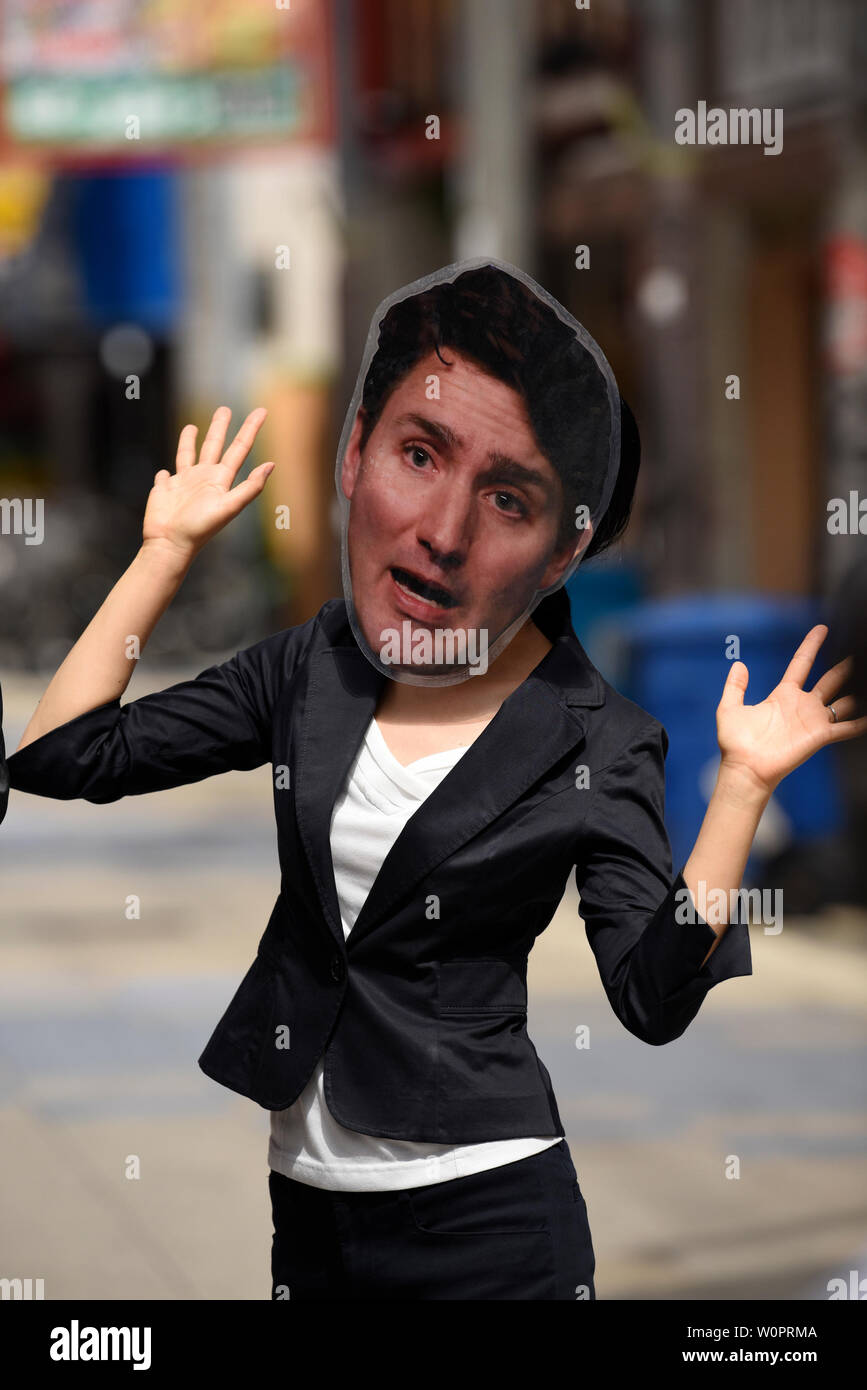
(720, 853)
(99, 666)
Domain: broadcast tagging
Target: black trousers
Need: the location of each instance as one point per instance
(519, 1231)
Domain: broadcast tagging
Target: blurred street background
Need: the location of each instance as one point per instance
(203, 205)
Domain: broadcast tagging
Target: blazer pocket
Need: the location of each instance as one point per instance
(485, 986)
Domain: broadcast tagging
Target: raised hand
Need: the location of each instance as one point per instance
(766, 742)
(187, 507)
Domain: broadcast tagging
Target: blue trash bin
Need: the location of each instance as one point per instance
(599, 593)
(676, 671)
(127, 239)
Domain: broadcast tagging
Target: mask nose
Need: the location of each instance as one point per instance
(444, 530)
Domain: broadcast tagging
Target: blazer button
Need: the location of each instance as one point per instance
(338, 970)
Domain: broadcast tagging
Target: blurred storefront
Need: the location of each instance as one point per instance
(707, 262)
(183, 251)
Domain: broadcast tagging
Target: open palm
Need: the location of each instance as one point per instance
(187, 507)
(771, 739)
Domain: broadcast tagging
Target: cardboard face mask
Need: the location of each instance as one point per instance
(478, 456)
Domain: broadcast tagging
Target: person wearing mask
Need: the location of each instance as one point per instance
(445, 756)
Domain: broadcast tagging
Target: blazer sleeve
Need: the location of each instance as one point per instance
(218, 721)
(642, 924)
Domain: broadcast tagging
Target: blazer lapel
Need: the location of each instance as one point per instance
(533, 729)
(340, 702)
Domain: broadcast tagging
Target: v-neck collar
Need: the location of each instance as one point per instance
(408, 776)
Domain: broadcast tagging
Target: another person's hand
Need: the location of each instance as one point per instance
(187, 507)
(763, 743)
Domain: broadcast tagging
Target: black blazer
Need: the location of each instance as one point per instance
(421, 1013)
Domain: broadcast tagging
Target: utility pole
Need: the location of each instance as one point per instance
(493, 190)
(678, 512)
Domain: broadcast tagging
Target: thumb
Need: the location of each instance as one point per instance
(735, 687)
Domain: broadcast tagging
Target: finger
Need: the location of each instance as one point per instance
(244, 493)
(798, 668)
(826, 686)
(186, 455)
(215, 438)
(735, 687)
(845, 707)
(851, 728)
(161, 478)
(243, 441)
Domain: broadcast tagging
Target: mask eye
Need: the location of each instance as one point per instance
(418, 456)
(508, 503)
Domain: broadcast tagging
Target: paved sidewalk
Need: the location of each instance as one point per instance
(102, 1019)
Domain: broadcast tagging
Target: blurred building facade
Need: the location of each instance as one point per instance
(418, 132)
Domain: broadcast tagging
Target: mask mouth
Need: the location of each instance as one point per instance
(424, 588)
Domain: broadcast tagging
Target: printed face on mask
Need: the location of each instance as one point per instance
(455, 517)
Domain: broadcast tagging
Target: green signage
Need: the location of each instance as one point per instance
(155, 108)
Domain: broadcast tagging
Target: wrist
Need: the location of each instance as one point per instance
(739, 787)
(171, 559)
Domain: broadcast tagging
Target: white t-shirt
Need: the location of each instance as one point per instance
(307, 1143)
